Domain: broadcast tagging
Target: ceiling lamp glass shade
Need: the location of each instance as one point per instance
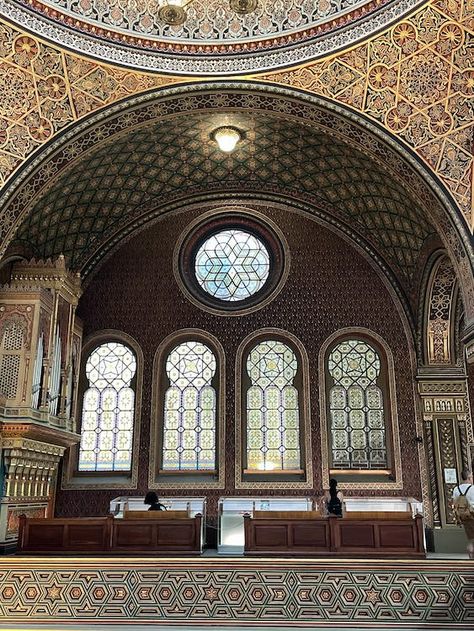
(172, 12)
(243, 7)
(226, 138)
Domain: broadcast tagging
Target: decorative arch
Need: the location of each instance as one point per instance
(381, 380)
(73, 476)
(272, 369)
(439, 316)
(13, 342)
(313, 110)
(204, 384)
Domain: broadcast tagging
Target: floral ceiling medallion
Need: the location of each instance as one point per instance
(216, 37)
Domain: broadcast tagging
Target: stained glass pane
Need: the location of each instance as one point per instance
(232, 265)
(190, 409)
(108, 410)
(356, 407)
(273, 441)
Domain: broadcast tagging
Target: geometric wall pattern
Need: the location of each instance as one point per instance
(43, 89)
(416, 79)
(239, 591)
(214, 39)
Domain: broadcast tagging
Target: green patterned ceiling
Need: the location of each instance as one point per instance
(133, 172)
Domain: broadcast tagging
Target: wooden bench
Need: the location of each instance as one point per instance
(155, 514)
(397, 537)
(165, 535)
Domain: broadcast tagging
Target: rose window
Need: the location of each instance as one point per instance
(232, 265)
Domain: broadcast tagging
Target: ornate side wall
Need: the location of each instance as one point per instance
(135, 291)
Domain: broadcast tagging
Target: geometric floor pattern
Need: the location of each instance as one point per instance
(238, 592)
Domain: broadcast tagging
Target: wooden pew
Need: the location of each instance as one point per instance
(398, 536)
(165, 535)
(82, 534)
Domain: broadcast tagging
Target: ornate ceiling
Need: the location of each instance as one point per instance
(214, 39)
(414, 79)
(133, 172)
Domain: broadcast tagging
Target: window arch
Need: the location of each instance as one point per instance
(356, 406)
(189, 419)
(13, 335)
(360, 406)
(187, 425)
(108, 405)
(274, 395)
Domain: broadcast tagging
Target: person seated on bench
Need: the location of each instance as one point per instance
(152, 498)
(334, 502)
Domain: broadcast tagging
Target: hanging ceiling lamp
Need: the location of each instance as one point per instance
(226, 138)
(173, 12)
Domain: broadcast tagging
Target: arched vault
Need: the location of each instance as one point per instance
(117, 169)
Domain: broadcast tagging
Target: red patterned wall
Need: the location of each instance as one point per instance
(330, 286)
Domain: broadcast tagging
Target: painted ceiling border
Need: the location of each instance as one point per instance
(231, 64)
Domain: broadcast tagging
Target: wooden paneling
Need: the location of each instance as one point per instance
(64, 535)
(109, 535)
(334, 536)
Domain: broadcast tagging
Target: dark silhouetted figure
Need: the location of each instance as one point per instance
(152, 498)
(334, 503)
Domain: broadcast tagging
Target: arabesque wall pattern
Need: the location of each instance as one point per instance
(415, 78)
(135, 291)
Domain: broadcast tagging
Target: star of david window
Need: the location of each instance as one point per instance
(231, 263)
(357, 410)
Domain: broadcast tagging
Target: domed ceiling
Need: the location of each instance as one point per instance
(214, 39)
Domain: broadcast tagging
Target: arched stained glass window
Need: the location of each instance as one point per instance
(189, 434)
(232, 265)
(356, 407)
(273, 418)
(108, 409)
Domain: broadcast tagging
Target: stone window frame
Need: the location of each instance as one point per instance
(348, 478)
(218, 220)
(182, 480)
(269, 479)
(74, 479)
